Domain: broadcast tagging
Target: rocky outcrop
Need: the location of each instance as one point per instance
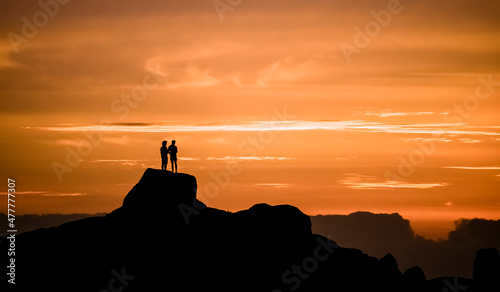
(163, 238)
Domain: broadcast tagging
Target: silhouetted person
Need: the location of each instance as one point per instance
(164, 155)
(172, 150)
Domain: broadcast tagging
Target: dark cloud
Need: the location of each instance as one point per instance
(476, 232)
(379, 234)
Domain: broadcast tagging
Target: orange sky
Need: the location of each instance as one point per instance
(332, 106)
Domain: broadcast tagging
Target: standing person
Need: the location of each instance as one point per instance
(164, 155)
(172, 150)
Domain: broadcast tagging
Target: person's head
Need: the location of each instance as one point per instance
(164, 143)
(173, 142)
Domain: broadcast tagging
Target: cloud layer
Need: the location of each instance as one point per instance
(378, 234)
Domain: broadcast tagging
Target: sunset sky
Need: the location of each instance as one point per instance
(332, 106)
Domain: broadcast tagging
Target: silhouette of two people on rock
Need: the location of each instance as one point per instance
(164, 151)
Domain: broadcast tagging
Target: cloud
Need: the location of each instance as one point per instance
(438, 139)
(46, 194)
(476, 231)
(131, 124)
(123, 162)
(246, 49)
(201, 65)
(121, 140)
(292, 125)
(390, 113)
(248, 158)
(474, 167)
(379, 234)
(51, 194)
(469, 141)
(190, 76)
(189, 158)
(364, 182)
(136, 162)
(295, 70)
(275, 185)
(26, 193)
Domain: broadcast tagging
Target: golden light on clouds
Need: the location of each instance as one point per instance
(316, 101)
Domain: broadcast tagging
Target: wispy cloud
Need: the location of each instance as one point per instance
(123, 140)
(295, 69)
(295, 125)
(390, 113)
(275, 185)
(364, 182)
(474, 167)
(236, 127)
(248, 158)
(124, 162)
(26, 193)
(63, 194)
(435, 139)
(190, 158)
(190, 76)
(346, 157)
(46, 194)
(469, 141)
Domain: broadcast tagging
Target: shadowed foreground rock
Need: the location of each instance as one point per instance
(163, 238)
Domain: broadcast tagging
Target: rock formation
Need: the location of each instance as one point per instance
(163, 238)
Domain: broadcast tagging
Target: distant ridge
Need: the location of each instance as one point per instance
(163, 238)
(378, 234)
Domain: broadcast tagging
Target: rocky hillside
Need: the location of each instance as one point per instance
(162, 238)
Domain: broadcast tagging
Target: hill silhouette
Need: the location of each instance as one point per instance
(374, 234)
(378, 234)
(163, 238)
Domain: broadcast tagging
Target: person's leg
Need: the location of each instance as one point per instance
(172, 163)
(176, 166)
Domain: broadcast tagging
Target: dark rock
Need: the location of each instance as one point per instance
(450, 284)
(414, 279)
(163, 238)
(389, 273)
(486, 273)
(158, 189)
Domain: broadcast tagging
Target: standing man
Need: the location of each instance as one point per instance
(172, 150)
(164, 155)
